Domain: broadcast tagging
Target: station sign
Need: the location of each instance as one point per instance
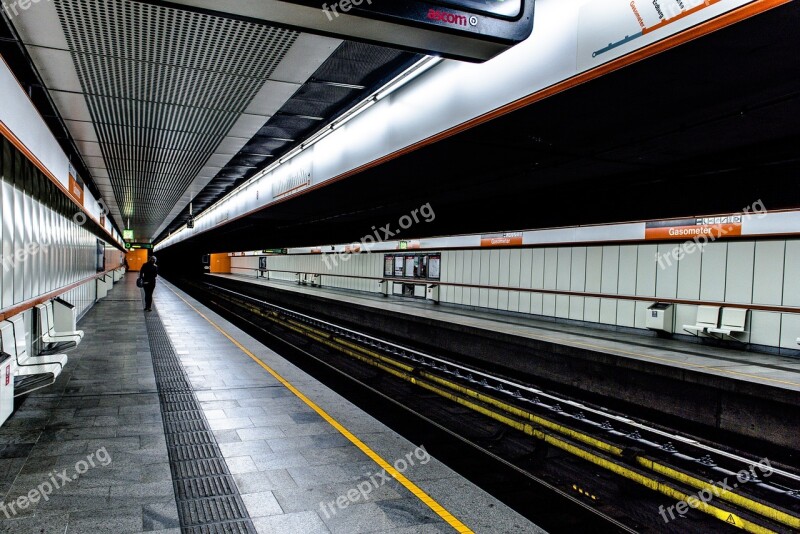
(704, 227)
(76, 187)
(139, 246)
(506, 239)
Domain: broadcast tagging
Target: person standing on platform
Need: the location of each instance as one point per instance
(148, 274)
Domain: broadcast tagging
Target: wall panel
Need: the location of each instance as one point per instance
(628, 266)
(768, 269)
(610, 270)
(646, 271)
(739, 275)
(791, 287)
(666, 272)
(594, 269)
(689, 268)
(526, 272)
(714, 257)
(550, 268)
(515, 260)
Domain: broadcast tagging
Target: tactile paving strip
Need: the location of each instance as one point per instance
(206, 493)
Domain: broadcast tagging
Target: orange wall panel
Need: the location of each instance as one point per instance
(136, 258)
(220, 263)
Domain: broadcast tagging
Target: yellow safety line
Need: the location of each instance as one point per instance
(397, 475)
(397, 370)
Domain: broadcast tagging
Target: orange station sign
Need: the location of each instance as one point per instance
(76, 189)
(508, 239)
(685, 229)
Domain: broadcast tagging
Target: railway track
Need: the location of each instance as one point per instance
(713, 487)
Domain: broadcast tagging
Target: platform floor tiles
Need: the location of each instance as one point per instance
(290, 465)
(104, 409)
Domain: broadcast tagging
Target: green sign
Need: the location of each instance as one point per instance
(127, 235)
(147, 246)
(275, 251)
(128, 246)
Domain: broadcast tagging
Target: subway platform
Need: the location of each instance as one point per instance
(176, 421)
(777, 371)
(752, 394)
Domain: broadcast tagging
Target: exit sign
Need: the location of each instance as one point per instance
(127, 235)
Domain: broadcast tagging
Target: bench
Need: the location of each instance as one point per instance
(305, 279)
(733, 321)
(54, 342)
(30, 372)
(707, 318)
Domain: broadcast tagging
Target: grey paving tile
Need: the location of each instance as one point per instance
(276, 479)
(260, 433)
(262, 504)
(309, 429)
(110, 522)
(161, 518)
(227, 436)
(241, 464)
(302, 522)
(315, 498)
(39, 524)
(318, 475)
(357, 518)
(245, 448)
(230, 423)
(271, 420)
(280, 460)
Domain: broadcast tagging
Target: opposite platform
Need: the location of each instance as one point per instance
(748, 394)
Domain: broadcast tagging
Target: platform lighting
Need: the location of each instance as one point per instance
(415, 70)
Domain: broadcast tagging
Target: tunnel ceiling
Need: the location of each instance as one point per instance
(708, 127)
(167, 106)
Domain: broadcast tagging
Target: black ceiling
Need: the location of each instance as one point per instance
(708, 127)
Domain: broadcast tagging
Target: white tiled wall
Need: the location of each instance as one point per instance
(741, 271)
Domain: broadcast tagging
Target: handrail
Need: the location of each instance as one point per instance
(31, 303)
(586, 294)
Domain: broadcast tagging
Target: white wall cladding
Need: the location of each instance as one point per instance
(43, 250)
(19, 115)
(765, 272)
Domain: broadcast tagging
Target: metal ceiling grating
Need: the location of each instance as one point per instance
(164, 86)
(353, 71)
